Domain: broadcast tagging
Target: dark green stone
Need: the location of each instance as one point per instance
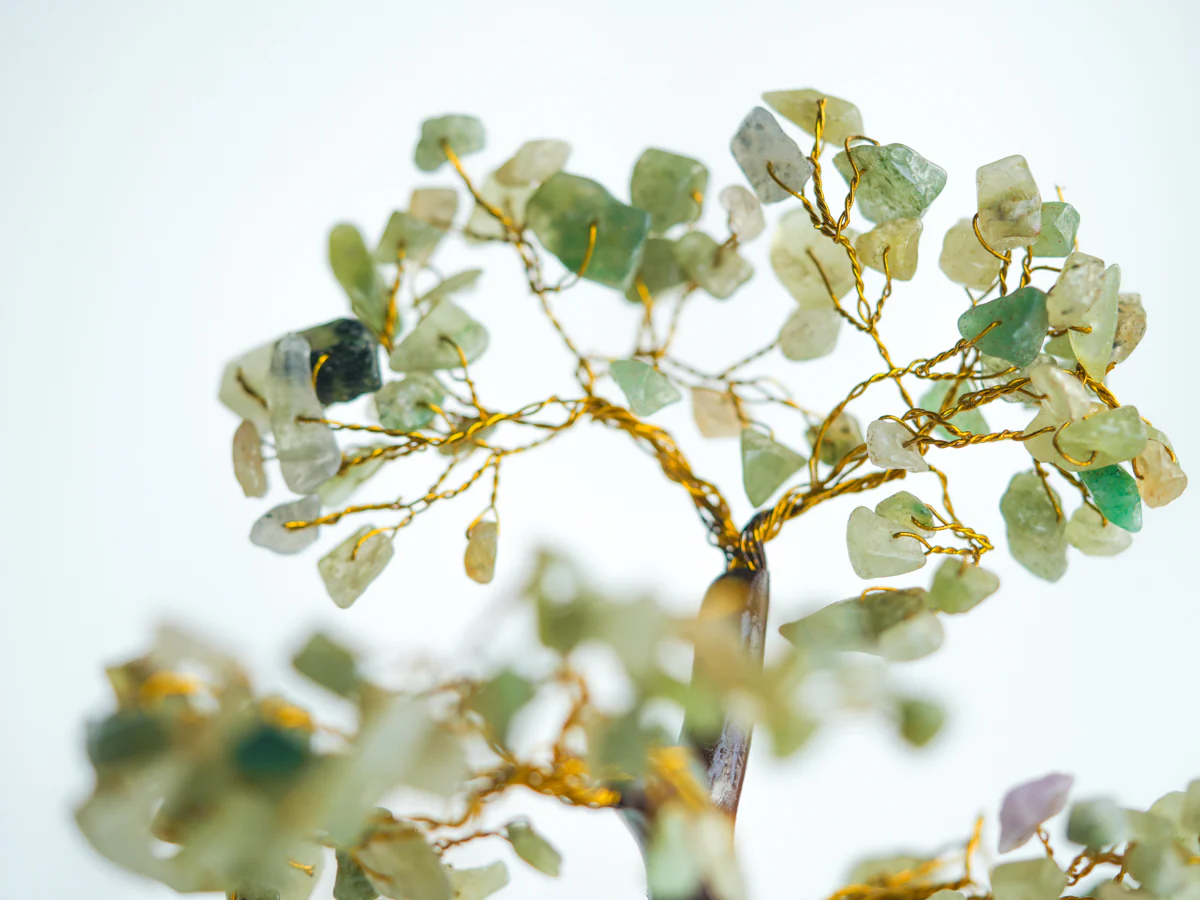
(1115, 493)
(125, 736)
(666, 186)
(659, 270)
(269, 754)
(1023, 322)
(352, 365)
(352, 882)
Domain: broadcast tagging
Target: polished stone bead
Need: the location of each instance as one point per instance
(874, 552)
(561, 213)
(248, 460)
(1060, 223)
(1010, 205)
(934, 399)
(405, 405)
(480, 557)
(307, 451)
(269, 530)
(436, 206)
(534, 162)
(1162, 478)
(407, 239)
(745, 213)
(1021, 328)
(668, 186)
(533, 848)
(886, 448)
(1065, 396)
(350, 567)
(895, 181)
(899, 237)
(1034, 879)
(1092, 535)
(842, 118)
(1097, 823)
(356, 271)
(509, 200)
(766, 465)
(1028, 805)
(1131, 326)
(912, 639)
(810, 333)
(1075, 290)
(1115, 493)
(715, 413)
(718, 270)
(965, 261)
(1116, 434)
(1036, 535)
(464, 135)
(842, 436)
(760, 141)
(959, 586)
(907, 512)
(659, 270)
(646, 388)
(431, 345)
(348, 356)
(794, 245)
(920, 722)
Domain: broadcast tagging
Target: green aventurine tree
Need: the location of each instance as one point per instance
(203, 785)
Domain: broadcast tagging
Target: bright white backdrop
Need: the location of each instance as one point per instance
(168, 172)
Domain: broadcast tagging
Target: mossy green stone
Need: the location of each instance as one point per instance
(464, 135)
(1115, 493)
(1117, 434)
(1036, 534)
(355, 270)
(896, 181)
(1060, 223)
(968, 420)
(659, 270)
(431, 345)
(906, 510)
(405, 405)
(959, 586)
(125, 736)
(667, 186)
(352, 882)
(1021, 329)
(646, 388)
(561, 214)
(718, 270)
(766, 465)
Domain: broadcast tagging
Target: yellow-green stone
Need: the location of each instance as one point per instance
(959, 586)
(561, 214)
(646, 388)
(668, 186)
(1035, 879)
(1075, 290)
(329, 664)
(1115, 493)
(843, 435)
(766, 465)
(718, 270)
(1091, 534)
(431, 345)
(1097, 823)
(1021, 328)
(874, 549)
(407, 238)
(350, 567)
(896, 182)
(906, 511)
(920, 721)
(1117, 434)
(1036, 535)
(1060, 222)
(436, 206)
(356, 272)
(1010, 205)
(810, 333)
(533, 848)
(964, 260)
(464, 135)
(899, 237)
(842, 118)
(803, 259)
(1094, 349)
(659, 270)
(1131, 326)
(968, 420)
(405, 405)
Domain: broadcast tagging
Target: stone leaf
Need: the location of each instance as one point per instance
(479, 560)
(352, 882)
(1060, 223)
(744, 211)
(1131, 326)
(667, 186)
(842, 118)
(464, 135)
(248, 460)
(431, 345)
(534, 162)
(914, 638)
(350, 567)
(356, 271)
(1034, 879)
(895, 181)
(658, 272)
(402, 866)
(965, 261)
(1162, 478)
(499, 700)
(959, 586)
(799, 256)
(1094, 349)
(760, 141)
(1036, 535)
(352, 473)
(307, 451)
(405, 405)
(533, 848)
(907, 512)
(886, 448)
(436, 206)
(1028, 805)
(1042, 447)
(899, 237)
(920, 722)
(1010, 205)
(480, 882)
(1097, 823)
(1115, 493)
(842, 436)
(269, 530)
(715, 413)
(1065, 396)
(1075, 290)
(1093, 535)
(810, 333)
(329, 664)
(407, 239)
(243, 386)
(766, 465)
(1021, 328)
(561, 214)
(645, 388)
(718, 270)
(510, 200)
(874, 552)
(1115, 435)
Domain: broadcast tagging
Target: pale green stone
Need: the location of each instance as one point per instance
(1060, 223)
(899, 237)
(810, 333)
(431, 345)
(1060, 347)
(1036, 536)
(1094, 349)
(766, 465)
(1077, 288)
(718, 270)
(464, 135)
(534, 162)
(409, 239)
(842, 118)
(667, 186)
(533, 848)
(1010, 205)
(454, 284)
(959, 586)
(659, 270)
(1162, 478)
(1021, 330)
(1131, 326)
(907, 512)
(912, 639)
(409, 867)
(1119, 434)
(874, 552)
(1092, 535)
(1115, 493)
(1034, 879)
(351, 475)
(646, 388)
(896, 182)
(355, 270)
(500, 699)
(480, 557)
(270, 530)
(842, 436)
(970, 420)
(1097, 823)
(1064, 394)
(965, 261)
(875, 870)
(329, 664)
(799, 255)
(248, 460)
(561, 214)
(838, 627)
(745, 213)
(350, 567)
(436, 206)
(510, 200)
(307, 451)
(479, 882)
(1160, 867)
(1042, 447)
(886, 448)
(995, 372)
(352, 882)
(760, 140)
(715, 413)
(405, 405)
(920, 722)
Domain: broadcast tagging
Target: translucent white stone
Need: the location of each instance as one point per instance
(350, 567)
(243, 387)
(1010, 205)
(760, 140)
(1162, 478)
(248, 460)
(810, 333)
(885, 447)
(436, 206)
(914, 638)
(1077, 288)
(874, 553)
(534, 163)
(803, 259)
(308, 453)
(1065, 395)
(270, 531)
(715, 413)
(965, 261)
(1094, 349)
(842, 118)
(745, 212)
(900, 238)
(1090, 534)
(480, 557)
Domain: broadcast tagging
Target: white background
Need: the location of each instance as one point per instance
(168, 173)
